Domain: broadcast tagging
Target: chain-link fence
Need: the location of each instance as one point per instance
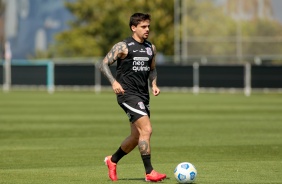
(227, 31)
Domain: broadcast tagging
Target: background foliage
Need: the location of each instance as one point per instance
(98, 25)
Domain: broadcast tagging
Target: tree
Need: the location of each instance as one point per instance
(99, 24)
(209, 30)
(264, 37)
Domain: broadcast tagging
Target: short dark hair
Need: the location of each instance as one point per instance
(136, 18)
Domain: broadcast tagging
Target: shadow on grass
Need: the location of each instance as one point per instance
(138, 179)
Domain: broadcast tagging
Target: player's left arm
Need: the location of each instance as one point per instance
(153, 74)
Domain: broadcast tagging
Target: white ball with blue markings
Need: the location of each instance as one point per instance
(185, 172)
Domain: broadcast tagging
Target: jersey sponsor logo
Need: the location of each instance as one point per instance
(131, 43)
(139, 64)
(141, 59)
(141, 68)
(149, 51)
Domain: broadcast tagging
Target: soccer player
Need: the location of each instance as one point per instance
(135, 57)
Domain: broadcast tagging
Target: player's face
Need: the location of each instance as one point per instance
(142, 30)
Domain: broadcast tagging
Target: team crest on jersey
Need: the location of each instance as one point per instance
(149, 51)
(141, 105)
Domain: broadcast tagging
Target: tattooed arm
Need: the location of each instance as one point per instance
(153, 75)
(119, 50)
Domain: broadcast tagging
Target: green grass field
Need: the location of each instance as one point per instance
(62, 138)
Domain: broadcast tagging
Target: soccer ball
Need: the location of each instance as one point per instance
(185, 172)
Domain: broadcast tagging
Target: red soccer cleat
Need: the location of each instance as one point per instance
(112, 168)
(155, 176)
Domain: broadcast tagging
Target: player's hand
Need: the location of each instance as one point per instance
(117, 88)
(156, 90)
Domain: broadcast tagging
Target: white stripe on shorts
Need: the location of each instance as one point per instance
(134, 110)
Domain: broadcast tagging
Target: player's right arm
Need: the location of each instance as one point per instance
(119, 50)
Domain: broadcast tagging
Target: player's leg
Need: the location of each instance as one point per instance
(143, 125)
(131, 141)
(126, 147)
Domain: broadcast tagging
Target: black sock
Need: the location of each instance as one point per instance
(118, 155)
(147, 163)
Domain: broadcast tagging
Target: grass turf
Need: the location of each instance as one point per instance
(63, 137)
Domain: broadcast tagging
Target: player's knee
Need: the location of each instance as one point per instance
(147, 131)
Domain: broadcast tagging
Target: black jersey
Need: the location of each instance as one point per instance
(133, 71)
